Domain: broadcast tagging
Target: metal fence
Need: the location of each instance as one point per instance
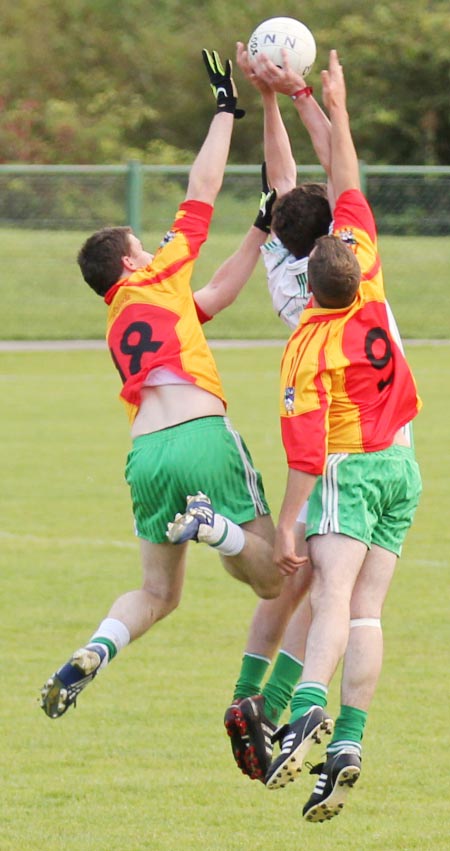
(46, 212)
(407, 200)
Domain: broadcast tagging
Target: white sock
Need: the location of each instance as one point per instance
(115, 635)
(225, 536)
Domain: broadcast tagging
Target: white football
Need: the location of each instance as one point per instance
(276, 33)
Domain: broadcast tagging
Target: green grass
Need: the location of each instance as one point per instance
(143, 763)
(45, 298)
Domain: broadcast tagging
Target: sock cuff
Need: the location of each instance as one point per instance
(231, 541)
(311, 685)
(112, 631)
(256, 656)
(344, 745)
(223, 536)
(105, 642)
(290, 656)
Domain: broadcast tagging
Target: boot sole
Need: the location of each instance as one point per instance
(289, 770)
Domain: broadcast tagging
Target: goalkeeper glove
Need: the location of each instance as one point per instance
(222, 83)
(268, 197)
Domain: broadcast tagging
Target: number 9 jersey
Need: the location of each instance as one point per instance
(346, 386)
(153, 321)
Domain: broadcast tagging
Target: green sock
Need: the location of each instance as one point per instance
(307, 695)
(251, 675)
(349, 729)
(278, 689)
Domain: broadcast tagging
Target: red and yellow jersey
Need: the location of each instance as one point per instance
(345, 384)
(152, 317)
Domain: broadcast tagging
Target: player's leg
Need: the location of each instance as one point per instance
(269, 624)
(364, 655)
(336, 560)
(163, 569)
(393, 489)
(288, 665)
(254, 563)
(396, 470)
(132, 614)
(252, 717)
(361, 670)
(283, 620)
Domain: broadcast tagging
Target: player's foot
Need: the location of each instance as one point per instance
(185, 527)
(236, 728)
(251, 733)
(296, 740)
(64, 686)
(337, 776)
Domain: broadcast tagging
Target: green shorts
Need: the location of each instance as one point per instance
(370, 496)
(205, 454)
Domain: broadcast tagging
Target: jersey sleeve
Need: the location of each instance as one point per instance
(354, 224)
(353, 210)
(173, 261)
(202, 316)
(304, 406)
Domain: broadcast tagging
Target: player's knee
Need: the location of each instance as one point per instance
(162, 604)
(270, 589)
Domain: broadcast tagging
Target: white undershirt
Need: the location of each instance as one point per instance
(161, 375)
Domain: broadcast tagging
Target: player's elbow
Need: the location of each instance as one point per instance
(204, 189)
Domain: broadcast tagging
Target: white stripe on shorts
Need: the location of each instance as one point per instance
(250, 473)
(329, 522)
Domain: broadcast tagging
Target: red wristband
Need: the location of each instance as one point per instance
(307, 92)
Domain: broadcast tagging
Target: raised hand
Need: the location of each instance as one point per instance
(222, 83)
(248, 69)
(333, 83)
(284, 80)
(268, 197)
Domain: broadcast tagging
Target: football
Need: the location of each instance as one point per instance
(272, 35)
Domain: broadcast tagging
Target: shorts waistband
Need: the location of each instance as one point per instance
(165, 433)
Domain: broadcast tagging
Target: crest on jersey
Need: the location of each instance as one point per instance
(169, 236)
(289, 395)
(348, 237)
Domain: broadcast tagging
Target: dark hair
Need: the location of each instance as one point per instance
(333, 273)
(100, 258)
(301, 216)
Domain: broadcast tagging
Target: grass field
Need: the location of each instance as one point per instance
(143, 763)
(47, 299)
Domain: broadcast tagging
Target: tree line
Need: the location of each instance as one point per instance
(103, 81)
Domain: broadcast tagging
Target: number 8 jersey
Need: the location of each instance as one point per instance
(345, 384)
(153, 322)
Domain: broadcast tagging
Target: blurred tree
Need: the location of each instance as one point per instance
(106, 80)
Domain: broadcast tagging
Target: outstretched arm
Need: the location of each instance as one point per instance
(344, 160)
(206, 175)
(286, 81)
(232, 275)
(281, 166)
(226, 284)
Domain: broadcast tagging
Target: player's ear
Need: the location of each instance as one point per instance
(128, 263)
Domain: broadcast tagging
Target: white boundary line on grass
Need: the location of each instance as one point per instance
(65, 542)
(47, 540)
(91, 345)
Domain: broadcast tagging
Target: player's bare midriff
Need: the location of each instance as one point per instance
(169, 404)
(400, 438)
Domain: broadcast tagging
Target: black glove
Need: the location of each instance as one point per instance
(268, 197)
(222, 84)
